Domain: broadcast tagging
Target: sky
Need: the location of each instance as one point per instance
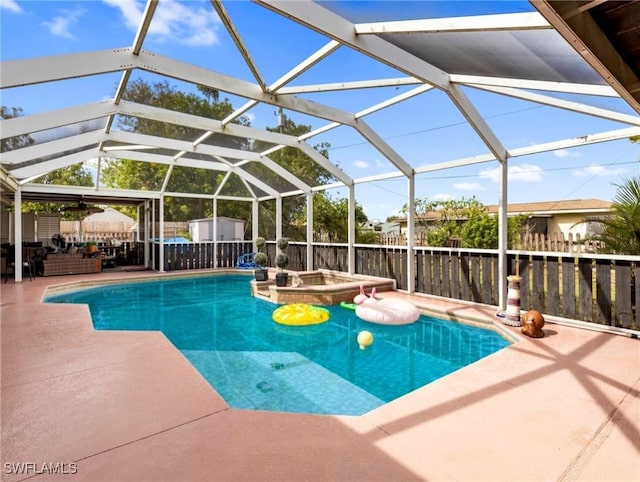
(424, 130)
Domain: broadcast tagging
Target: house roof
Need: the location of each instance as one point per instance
(109, 215)
(219, 218)
(577, 206)
(527, 55)
(557, 207)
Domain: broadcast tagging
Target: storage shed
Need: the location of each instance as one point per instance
(228, 229)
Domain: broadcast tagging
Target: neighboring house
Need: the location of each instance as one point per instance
(549, 218)
(100, 227)
(381, 227)
(572, 217)
(228, 229)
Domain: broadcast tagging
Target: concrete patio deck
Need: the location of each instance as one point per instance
(127, 406)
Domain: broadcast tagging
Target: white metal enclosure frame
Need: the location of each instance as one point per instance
(424, 53)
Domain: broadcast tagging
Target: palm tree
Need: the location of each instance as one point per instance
(621, 232)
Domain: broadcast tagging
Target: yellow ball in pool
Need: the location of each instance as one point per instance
(365, 339)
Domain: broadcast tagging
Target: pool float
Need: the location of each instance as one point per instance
(348, 306)
(300, 314)
(387, 311)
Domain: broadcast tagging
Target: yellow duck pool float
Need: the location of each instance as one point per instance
(300, 314)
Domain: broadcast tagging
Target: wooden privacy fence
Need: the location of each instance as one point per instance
(601, 289)
(188, 256)
(557, 242)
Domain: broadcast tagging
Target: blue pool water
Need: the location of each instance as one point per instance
(255, 363)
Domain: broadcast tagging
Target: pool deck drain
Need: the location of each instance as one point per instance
(128, 406)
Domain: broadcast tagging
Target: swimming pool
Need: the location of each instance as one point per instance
(254, 363)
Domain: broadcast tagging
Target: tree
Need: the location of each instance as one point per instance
(129, 174)
(75, 175)
(467, 219)
(621, 231)
(300, 165)
(331, 219)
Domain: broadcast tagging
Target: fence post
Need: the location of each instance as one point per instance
(513, 301)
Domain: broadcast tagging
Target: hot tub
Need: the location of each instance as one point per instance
(321, 287)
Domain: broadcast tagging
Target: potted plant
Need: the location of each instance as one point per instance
(261, 259)
(282, 261)
(261, 273)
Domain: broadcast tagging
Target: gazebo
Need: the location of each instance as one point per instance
(549, 54)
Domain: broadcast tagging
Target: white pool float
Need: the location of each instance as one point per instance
(387, 311)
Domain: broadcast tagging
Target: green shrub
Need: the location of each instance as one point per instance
(282, 261)
(261, 259)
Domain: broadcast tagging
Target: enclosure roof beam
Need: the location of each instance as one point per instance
(15, 73)
(356, 84)
(222, 183)
(545, 85)
(305, 65)
(173, 144)
(386, 150)
(41, 168)
(249, 188)
(477, 122)
(322, 20)
(207, 150)
(25, 125)
(421, 89)
(477, 23)
(52, 147)
(576, 141)
(164, 159)
(8, 179)
(325, 163)
(181, 162)
(326, 22)
(197, 122)
(285, 174)
(234, 115)
(563, 104)
(537, 149)
(256, 182)
(192, 195)
(234, 198)
(89, 191)
(237, 39)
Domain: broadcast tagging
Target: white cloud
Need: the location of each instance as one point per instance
(361, 164)
(566, 153)
(10, 5)
(60, 25)
(599, 170)
(468, 186)
(442, 197)
(184, 23)
(131, 11)
(523, 172)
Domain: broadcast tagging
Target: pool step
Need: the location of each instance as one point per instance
(264, 294)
